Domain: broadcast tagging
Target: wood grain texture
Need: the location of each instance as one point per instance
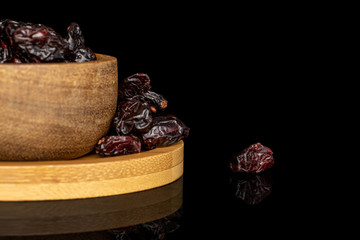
(51, 111)
(90, 176)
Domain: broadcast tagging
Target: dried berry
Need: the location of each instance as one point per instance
(131, 117)
(38, 43)
(118, 145)
(164, 131)
(138, 87)
(134, 85)
(4, 52)
(76, 43)
(75, 37)
(28, 43)
(254, 159)
(156, 100)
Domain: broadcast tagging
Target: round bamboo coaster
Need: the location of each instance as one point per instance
(90, 176)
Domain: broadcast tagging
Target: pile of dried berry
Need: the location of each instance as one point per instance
(22, 42)
(140, 122)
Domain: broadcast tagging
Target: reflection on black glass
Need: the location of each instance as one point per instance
(158, 229)
(252, 188)
(89, 215)
(155, 230)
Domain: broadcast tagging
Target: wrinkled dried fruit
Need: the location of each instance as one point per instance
(4, 52)
(76, 43)
(137, 87)
(140, 113)
(134, 85)
(164, 131)
(118, 145)
(155, 100)
(22, 42)
(254, 159)
(131, 117)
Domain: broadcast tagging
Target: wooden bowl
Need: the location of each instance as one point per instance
(51, 111)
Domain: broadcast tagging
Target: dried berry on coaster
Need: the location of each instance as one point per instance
(254, 159)
(141, 122)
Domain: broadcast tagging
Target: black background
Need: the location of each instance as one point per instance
(235, 75)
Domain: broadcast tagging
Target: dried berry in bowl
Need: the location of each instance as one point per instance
(22, 42)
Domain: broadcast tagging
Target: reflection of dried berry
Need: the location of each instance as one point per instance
(254, 159)
(252, 188)
(164, 131)
(118, 145)
(157, 229)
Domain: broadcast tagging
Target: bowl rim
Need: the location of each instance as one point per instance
(100, 58)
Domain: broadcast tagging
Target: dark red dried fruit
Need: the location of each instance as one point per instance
(134, 85)
(39, 43)
(118, 145)
(138, 87)
(138, 114)
(76, 43)
(132, 116)
(28, 43)
(4, 52)
(254, 159)
(164, 131)
(155, 100)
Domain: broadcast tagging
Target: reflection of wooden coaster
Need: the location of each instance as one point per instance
(91, 214)
(90, 176)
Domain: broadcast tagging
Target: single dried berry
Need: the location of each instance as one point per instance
(131, 117)
(254, 159)
(134, 85)
(164, 131)
(76, 43)
(118, 145)
(137, 87)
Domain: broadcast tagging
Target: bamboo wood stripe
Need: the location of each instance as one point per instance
(90, 206)
(90, 176)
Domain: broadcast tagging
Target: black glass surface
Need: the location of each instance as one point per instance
(235, 78)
